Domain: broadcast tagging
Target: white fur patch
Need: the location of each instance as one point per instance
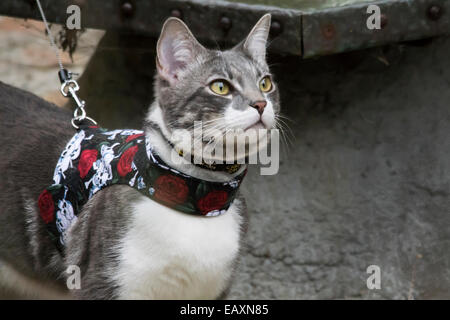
(171, 255)
(240, 119)
(268, 116)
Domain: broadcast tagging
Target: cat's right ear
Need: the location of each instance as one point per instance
(176, 48)
(256, 42)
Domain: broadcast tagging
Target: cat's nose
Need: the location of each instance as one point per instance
(259, 105)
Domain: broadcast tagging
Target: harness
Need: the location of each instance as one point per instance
(96, 158)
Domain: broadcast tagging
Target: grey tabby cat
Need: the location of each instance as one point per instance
(126, 245)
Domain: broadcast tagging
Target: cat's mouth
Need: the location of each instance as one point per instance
(257, 125)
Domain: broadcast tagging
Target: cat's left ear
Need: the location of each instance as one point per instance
(176, 49)
(256, 42)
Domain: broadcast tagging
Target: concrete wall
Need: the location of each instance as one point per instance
(366, 180)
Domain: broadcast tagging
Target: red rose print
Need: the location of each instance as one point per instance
(124, 165)
(171, 190)
(87, 159)
(46, 206)
(133, 136)
(215, 200)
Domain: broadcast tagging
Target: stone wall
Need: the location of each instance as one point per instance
(365, 181)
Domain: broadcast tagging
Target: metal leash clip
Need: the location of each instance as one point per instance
(69, 87)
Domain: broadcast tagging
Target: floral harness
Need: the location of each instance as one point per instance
(96, 158)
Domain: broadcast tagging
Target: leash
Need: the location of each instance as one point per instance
(69, 86)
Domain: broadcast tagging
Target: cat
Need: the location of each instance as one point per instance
(126, 245)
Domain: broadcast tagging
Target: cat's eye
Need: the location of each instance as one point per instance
(265, 85)
(220, 87)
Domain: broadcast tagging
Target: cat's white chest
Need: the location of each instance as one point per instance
(171, 255)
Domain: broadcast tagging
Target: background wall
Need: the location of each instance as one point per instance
(365, 179)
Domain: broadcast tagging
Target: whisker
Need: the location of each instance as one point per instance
(286, 126)
(285, 131)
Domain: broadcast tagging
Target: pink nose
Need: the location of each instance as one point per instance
(259, 105)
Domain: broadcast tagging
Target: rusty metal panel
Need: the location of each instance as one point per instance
(327, 27)
(303, 5)
(214, 21)
(344, 29)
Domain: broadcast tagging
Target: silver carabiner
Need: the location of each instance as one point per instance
(72, 87)
(81, 116)
(69, 88)
(69, 83)
(85, 118)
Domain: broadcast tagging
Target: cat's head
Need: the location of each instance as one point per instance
(230, 90)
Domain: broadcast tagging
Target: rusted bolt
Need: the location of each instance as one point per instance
(275, 28)
(434, 12)
(225, 23)
(328, 31)
(176, 13)
(127, 9)
(383, 21)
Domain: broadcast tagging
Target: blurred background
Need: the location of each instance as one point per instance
(27, 61)
(365, 164)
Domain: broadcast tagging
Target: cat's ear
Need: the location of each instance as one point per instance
(176, 48)
(256, 42)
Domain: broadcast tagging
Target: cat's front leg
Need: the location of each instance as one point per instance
(94, 241)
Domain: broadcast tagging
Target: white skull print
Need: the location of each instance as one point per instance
(65, 216)
(70, 153)
(102, 167)
(127, 132)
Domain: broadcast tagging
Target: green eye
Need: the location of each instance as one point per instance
(265, 84)
(220, 87)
